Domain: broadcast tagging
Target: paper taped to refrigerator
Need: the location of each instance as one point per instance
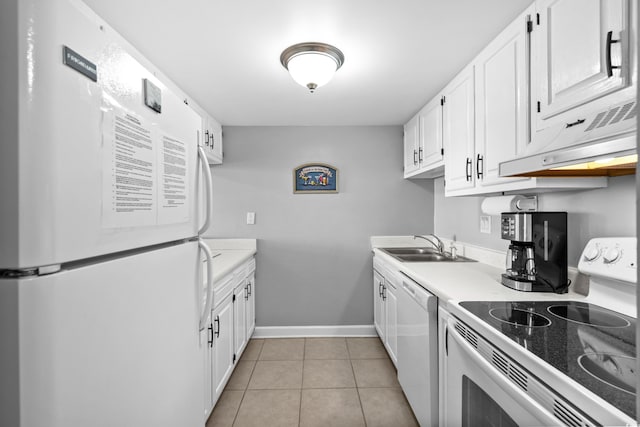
(173, 179)
(129, 170)
(145, 179)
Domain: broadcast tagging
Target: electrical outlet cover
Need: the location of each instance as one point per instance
(485, 224)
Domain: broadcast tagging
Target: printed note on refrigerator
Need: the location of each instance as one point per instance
(173, 203)
(129, 196)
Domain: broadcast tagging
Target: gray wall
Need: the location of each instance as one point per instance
(606, 212)
(314, 260)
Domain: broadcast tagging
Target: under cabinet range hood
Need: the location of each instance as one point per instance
(601, 144)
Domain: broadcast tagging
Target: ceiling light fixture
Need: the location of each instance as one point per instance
(312, 64)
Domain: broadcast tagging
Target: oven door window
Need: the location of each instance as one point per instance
(480, 410)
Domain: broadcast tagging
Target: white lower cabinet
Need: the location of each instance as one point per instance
(222, 320)
(385, 307)
(250, 309)
(230, 328)
(378, 303)
(240, 317)
(391, 317)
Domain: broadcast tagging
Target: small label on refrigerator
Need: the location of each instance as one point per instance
(79, 63)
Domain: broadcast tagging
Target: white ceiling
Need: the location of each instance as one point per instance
(226, 53)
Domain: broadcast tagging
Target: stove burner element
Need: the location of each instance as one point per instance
(585, 315)
(516, 316)
(614, 370)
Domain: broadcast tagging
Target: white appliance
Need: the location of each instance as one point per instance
(549, 362)
(418, 350)
(100, 302)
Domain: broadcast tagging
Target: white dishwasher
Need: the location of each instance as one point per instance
(418, 350)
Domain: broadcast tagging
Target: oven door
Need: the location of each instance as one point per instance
(478, 394)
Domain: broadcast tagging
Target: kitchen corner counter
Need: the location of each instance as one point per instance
(461, 281)
(229, 254)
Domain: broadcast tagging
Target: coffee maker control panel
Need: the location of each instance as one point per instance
(516, 227)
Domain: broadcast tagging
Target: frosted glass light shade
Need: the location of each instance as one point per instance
(312, 64)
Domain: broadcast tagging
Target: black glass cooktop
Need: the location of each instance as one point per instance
(594, 346)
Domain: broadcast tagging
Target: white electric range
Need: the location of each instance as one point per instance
(524, 363)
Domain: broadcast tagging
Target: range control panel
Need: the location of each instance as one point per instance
(610, 257)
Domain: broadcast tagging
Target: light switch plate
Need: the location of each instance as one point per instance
(251, 218)
(485, 224)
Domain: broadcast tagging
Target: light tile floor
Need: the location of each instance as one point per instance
(311, 382)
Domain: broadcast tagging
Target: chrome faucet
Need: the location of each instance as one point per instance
(437, 244)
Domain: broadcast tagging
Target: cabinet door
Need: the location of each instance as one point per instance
(430, 131)
(458, 132)
(240, 318)
(572, 52)
(251, 305)
(222, 317)
(411, 163)
(501, 102)
(391, 321)
(378, 306)
(215, 141)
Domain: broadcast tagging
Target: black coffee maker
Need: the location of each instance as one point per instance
(537, 255)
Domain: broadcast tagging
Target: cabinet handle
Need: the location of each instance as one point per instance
(610, 41)
(249, 286)
(468, 169)
(577, 122)
(217, 330)
(415, 157)
(479, 167)
(384, 293)
(206, 137)
(213, 140)
(446, 340)
(210, 335)
(420, 155)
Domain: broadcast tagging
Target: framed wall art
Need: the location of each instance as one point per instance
(314, 178)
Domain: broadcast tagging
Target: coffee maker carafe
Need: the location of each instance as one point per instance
(537, 256)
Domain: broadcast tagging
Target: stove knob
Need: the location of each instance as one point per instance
(592, 253)
(612, 255)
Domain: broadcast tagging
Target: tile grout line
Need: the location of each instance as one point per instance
(364, 419)
(244, 392)
(304, 349)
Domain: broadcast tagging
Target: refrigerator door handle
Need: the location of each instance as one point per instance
(209, 300)
(202, 156)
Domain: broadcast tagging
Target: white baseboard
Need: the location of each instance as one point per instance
(314, 331)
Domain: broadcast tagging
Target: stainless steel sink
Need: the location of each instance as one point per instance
(410, 251)
(423, 255)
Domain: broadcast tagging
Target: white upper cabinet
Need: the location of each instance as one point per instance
(581, 51)
(430, 126)
(501, 88)
(212, 139)
(423, 152)
(411, 163)
(458, 131)
(486, 120)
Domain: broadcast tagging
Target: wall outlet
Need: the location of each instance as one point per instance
(485, 224)
(251, 218)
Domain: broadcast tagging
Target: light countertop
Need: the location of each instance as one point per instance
(462, 281)
(229, 254)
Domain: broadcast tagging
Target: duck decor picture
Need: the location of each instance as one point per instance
(315, 178)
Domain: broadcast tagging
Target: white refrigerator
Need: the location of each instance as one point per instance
(101, 303)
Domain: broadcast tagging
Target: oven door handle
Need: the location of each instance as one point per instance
(537, 410)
